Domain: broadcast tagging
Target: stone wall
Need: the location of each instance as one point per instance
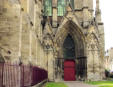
(20, 32)
(24, 39)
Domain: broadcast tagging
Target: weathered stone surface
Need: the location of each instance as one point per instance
(27, 36)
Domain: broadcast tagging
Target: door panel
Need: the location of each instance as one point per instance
(69, 70)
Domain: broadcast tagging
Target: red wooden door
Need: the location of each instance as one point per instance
(69, 70)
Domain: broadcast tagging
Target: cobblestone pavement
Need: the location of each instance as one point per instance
(77, 84)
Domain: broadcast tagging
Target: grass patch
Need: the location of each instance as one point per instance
(106, 86)
(101, 83)
(55, 84)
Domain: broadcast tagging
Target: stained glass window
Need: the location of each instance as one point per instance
(48, 7)
(61, 7)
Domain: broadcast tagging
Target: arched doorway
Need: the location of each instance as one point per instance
(71, 42)
(69, 56)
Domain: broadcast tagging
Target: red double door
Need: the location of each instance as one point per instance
(69, 70)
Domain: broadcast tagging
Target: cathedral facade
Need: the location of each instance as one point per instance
(54, 34)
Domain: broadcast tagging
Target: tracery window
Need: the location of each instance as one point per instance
(62, 6)
(48, 7)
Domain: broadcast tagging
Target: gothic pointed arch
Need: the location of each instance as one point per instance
(93, 42)
(67, 17)
(71, 27)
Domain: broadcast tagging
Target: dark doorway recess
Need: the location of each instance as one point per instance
(69, 48)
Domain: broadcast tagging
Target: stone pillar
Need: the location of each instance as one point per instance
(97, 5)
(91, 10)
(93, 67)
(101, 39)
(99, 22)
(78, 4)
(85, 17)
(50, 64)
(54, 16)
(20, 36)
(85, 14)
(98, 12)
(26, 40)
(100, 28)
(85, 3)
(93, 61)
(48, 44)
(90, 4)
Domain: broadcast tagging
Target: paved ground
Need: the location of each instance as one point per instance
(77, 84)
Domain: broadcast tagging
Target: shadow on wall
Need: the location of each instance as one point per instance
(2, 59)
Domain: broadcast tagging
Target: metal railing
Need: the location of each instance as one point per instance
(13, 75)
